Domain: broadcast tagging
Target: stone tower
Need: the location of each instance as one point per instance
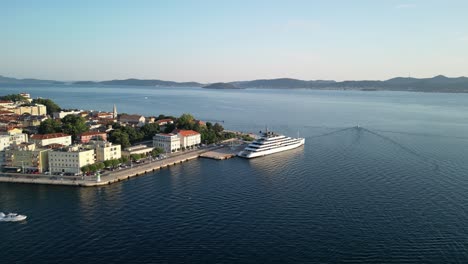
(115, 111)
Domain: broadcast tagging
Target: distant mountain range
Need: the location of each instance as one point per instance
(438, 83)
(221, 85)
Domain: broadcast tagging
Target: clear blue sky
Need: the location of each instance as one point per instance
(210, 41)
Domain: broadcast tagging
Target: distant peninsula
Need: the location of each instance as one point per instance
(221, 85)
(440, 83)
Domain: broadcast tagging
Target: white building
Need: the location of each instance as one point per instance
(70, 159)
(137, 120)
(55, 138)
(15, 139)
(64, 113)
(106, 151)
(138, 149)
(188, 138)
(168, 142)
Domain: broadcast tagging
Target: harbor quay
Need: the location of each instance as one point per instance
(149, 166)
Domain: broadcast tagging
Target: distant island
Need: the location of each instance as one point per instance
(221, 85)
(438, 83)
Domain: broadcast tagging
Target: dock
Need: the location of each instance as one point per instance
(222, 153)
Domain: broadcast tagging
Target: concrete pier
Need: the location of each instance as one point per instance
(222, 153)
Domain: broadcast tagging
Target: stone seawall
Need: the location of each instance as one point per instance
(106, 178)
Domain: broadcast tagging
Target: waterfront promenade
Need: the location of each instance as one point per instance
(113, 176)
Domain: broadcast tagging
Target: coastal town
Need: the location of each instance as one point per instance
(43, 143)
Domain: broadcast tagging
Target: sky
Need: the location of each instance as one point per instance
(214, 40)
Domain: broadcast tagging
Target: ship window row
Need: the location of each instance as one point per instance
(254, 149)
(275, 144)
(270, 141)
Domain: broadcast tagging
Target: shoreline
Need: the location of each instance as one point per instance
(217, 153)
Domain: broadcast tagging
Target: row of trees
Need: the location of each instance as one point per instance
(51, 105)
(127, 135)
(113, 163)
(14, 98)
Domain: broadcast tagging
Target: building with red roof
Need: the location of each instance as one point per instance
(54, 138)
(92, 135)
(188, 138)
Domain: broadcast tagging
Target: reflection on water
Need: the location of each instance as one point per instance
(349, 195)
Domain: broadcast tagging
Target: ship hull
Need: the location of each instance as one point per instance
(250, 155)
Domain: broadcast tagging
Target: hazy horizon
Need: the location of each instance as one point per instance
(208, 41)
(155, 78)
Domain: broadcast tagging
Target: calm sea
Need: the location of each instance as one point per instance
(393, 191)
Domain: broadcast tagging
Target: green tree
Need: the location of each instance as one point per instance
(92, 167)
(186, 121)
(100, 165)
(149, 130)
(74, 125)
(119, 137)
(135, 156)
(169, 128)
(133, 134)
(217, 128)
(123, 159)
(156, 151)
(114, 163)
(14, 98)
(85, 169)
(51, 105)
(49, 126)
(107, 163)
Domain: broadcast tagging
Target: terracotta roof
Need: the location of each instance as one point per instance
(186, 133)
(5, 102)
(55, 146)
(164, 120)
(47, 136)
(131, 117)
(91, 133)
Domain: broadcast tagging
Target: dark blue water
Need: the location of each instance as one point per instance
(394, 191)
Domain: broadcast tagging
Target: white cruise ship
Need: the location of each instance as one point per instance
(270, 143)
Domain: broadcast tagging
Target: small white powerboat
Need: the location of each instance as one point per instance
(11, 217)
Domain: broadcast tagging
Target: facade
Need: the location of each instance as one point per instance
(27, 157)
(168, 142)
(6, 103)
(163, 122)
(137, 120)
(188, 138)
(92, 135)
(10, 130)
(70, 159)
(55, 138)
(139, 149)
(15, 139)
(31, 120)
(107, 151)
(36, 109)
(64, 113)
